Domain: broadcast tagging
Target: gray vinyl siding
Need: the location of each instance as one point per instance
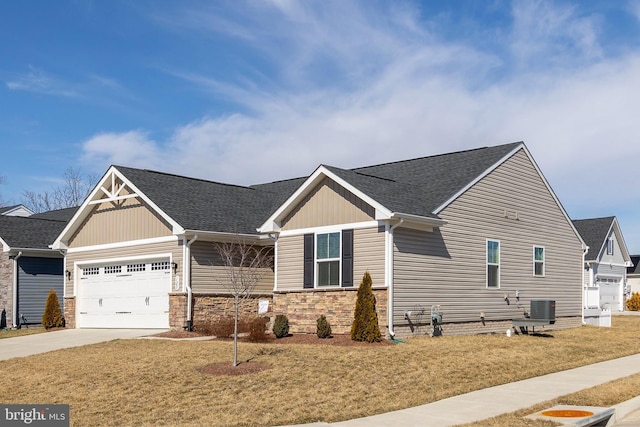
(448, 266)
(36, 276)
(174, 248)
(368, 255)
(289, 261)
(209, 275)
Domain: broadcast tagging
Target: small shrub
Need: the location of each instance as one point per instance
(221, 328)
(258, 330)
(633, 303)
(281, 326)
(323, 329)
(52, 317)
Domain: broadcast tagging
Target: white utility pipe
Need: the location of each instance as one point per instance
(186, 275)
(392, 334)
(14, 313)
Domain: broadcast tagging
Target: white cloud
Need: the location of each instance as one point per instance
(402, 93)
(133, 148)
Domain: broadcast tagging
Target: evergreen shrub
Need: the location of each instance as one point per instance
(281, 326)
(323, 328)
(52, 317)
(365, 319)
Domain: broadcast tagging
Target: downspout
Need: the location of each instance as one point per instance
(585, 287)
(389, 269)
(14, 313)
(186, 277)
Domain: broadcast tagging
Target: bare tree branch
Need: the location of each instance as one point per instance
(71, 193)
(245, 265)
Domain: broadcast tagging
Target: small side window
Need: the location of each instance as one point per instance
(538, 261)
(493, 264)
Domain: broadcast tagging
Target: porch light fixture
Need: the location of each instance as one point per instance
(67, 273)
(174, 265)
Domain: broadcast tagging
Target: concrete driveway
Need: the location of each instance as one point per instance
(56, 340)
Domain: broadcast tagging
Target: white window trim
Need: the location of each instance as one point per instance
(316, 260)
(486, 263)
(610, 246)
(544, 261)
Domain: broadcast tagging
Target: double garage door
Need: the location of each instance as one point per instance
(124, 295)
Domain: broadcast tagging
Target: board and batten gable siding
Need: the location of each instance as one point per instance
(173, 247)
(209, 275)
(368, 255)
(328, 204)
(128, 219)
(447, 267)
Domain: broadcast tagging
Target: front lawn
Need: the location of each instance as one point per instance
(159, 382)
(12, 333)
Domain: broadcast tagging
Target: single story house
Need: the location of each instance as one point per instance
(606, 263)
(475, 235)
(29, 268)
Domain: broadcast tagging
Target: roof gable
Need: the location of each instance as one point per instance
(596, 231)
(16, 210)
(417, 188)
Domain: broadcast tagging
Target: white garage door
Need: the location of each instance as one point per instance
(125, 295)
(610, 292)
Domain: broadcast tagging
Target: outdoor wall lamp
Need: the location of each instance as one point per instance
(67, 273)
(174, 265)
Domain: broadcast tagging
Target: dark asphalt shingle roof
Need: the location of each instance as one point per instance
(27, 232)
(416, 187)
(58, 215)
(594, 231)
(419, 186)
(635, 259)
(198, 204)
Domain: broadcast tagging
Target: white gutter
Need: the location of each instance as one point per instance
(14, 313)
(389, 272)
(186, 278)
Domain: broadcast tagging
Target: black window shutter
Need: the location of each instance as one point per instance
(308, 260)
(347, 258)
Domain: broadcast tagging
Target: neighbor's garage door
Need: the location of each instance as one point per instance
(125, 295)
(610, 292)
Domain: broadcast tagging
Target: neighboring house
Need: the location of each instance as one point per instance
(606, 263)
(477, 233)
(16, 210)
(633, 275)
(28, 267)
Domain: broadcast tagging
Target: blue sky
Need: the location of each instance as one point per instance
(249, 92)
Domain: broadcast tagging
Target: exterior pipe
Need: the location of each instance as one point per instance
(186, 274)
(392, 334)
(14, 313)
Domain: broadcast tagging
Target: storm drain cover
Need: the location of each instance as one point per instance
(575, 415)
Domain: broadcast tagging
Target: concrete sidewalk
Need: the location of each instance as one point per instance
(49, 341)
(490, 402)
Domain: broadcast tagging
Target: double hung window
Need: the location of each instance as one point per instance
(328, 259)
(538, 261)
(493, 264)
